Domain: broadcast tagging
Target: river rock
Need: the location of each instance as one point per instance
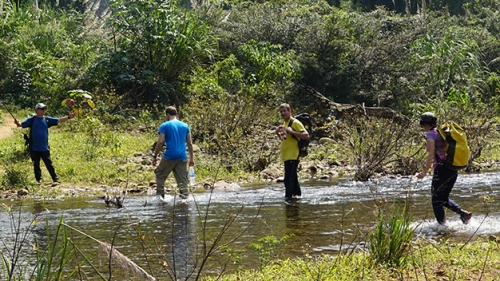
(325, 140)
(271, 173)
(22, 192)
(224, 184)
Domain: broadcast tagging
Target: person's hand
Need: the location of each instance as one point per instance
(154, 161)
(421, 175)
(191, 163)
(71, 114)
(279, 129)
(17, 123)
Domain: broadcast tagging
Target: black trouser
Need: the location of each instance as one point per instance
(292, 186)
(45, 156)
(442, 184)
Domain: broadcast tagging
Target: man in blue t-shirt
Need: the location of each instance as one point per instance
(39, 139)
(175, 134)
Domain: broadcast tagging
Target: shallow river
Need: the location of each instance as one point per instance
(332, 215)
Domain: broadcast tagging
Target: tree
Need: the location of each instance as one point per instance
(156, 44)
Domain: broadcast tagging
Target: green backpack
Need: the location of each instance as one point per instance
(457, 151)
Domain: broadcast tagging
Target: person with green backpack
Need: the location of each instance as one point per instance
(438, 144)
(38, 139)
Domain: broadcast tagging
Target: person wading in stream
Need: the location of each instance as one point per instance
(176, 134)
(289, 150)
(443, 178)
(39, 139)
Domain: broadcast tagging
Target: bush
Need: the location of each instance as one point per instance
(391, 238)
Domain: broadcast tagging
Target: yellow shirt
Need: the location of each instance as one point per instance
(290, 147)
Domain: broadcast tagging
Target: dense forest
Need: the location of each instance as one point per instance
(228, 64)
(143, 54)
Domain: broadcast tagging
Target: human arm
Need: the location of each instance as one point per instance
(66, 118)
(298, 130)
(26, 123)
(159, 145)
(431, 151)
(189, 142)
(278, 131)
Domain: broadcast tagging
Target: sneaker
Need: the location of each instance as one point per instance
(160, 193)
(465, 217)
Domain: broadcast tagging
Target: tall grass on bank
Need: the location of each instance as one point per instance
(30, 254)
(390, 240)
(429, 260)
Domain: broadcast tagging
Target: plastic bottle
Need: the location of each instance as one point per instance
(283, 135)
(192, 180)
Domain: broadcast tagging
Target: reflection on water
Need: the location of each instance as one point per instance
(171, 238)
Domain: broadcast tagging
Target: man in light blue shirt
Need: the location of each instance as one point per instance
(176, 135)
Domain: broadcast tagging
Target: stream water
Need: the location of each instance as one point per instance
(331, 216)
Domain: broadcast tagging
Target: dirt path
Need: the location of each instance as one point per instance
(7, 127)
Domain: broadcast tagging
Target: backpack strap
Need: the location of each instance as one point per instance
(290, 123)
(31, 125)
(33, 120)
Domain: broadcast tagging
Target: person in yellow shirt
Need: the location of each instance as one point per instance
(290, 132)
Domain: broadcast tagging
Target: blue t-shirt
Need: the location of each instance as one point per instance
(175, 132)
(39, 140)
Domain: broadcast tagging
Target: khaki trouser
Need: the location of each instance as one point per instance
(179, 167)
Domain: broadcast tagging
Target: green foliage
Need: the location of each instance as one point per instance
(54, 255)
(269, 71)
(452, 62)
(228, 134)
(377, 142)
(79, 101)
(96, 136)
(234, 100)
(270, 248)
(15, 176)
(46, 49)
(427, 259)
(157, 44)
(391, 238)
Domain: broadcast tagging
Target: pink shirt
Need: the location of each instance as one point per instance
(440, 145)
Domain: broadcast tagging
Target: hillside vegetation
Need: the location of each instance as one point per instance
(227, 65)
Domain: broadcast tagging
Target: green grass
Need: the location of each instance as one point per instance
(70, 155)
(91, 155)
(427, 260)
